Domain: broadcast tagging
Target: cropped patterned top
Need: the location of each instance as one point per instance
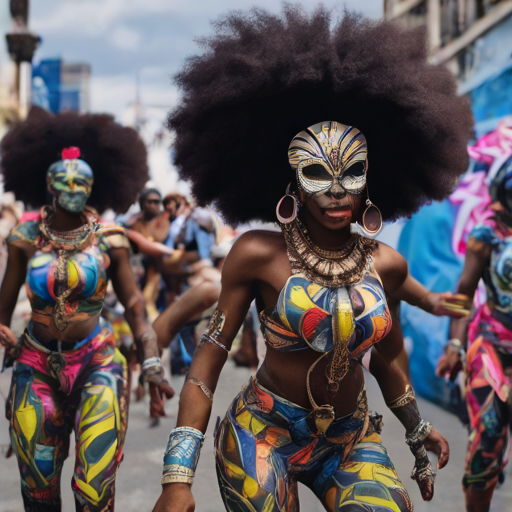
(66, 277)
(333, 302)
(308, 315)
(498, 273)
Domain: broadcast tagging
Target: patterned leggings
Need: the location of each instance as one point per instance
(487, 394)
(47, 401)
(266, 444)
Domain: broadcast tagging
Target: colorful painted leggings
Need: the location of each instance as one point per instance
(88, 395)
(487, 395)
(265, 445)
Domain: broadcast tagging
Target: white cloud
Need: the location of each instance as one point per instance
(125, 38)
(113, 94)
(93, 17)
(120, 38)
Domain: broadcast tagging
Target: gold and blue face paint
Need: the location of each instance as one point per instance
(329, 153)
(70, 181)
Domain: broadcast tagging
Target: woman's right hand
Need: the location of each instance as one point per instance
(450, 363)
(8, 339)
(175, 497)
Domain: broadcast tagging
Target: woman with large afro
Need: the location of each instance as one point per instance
(334, 121)
(67, 372)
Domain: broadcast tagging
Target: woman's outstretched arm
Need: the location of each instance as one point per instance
(401, 285)
(239, 279)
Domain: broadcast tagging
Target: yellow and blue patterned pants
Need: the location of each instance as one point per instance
(266, 445)
(87, 395)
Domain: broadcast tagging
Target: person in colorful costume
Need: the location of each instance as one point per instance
(67, 371)
(362, 115)
(486, 345)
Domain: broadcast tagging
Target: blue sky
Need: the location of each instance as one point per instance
(152, 37)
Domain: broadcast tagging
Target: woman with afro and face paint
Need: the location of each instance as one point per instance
(331, 113)
(68, 373)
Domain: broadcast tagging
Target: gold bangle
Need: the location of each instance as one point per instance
(404, 399)
(177, 474)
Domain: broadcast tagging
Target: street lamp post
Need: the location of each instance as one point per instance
(21, 45)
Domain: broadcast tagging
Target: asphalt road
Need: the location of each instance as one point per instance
(139, 475)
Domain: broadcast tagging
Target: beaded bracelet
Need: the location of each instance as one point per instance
(419, 434)
(151, 363)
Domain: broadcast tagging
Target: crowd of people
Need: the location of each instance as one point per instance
(331, 124)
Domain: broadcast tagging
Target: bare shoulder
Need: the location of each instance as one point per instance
(253, 250)
(258, 244)
(389, 263)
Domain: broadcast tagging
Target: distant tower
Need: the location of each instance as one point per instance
(21, 45)
(19, 12)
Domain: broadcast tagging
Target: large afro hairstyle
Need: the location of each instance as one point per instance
(263, 78)
(116, 154)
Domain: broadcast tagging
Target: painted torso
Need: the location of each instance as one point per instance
(309, 315)
(67, 286)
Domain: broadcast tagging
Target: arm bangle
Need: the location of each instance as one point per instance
(182, 455)
(456, 344)
(204, 388)
(404, 399)
(419, 434)
(214, 329)
(151, 363)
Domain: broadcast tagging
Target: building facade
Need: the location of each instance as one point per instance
(473, 38)
(59, 86)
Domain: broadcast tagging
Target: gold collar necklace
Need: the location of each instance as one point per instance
(332, 269)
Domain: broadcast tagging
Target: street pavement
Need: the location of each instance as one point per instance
(138, 479)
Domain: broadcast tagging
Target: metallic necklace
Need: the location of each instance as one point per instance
(63, 243)
(332, 269)
(75, 240)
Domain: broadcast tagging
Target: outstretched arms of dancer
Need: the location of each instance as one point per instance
(401, 285)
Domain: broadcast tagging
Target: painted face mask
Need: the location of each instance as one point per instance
(70, 180)
(329, 155)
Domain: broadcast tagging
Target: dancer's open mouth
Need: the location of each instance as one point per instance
(338, 212)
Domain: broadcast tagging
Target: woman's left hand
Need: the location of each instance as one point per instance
(422, 472)
(159, 390)
(438, 444)
(448, 304)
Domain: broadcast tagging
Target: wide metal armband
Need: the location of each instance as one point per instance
(182, 455)
(403, 400)
(212, 333)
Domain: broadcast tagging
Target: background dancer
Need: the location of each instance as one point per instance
(486, 346)
(68, 374)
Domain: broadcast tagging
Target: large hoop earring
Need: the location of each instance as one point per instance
(287, 207)
(371, 221)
